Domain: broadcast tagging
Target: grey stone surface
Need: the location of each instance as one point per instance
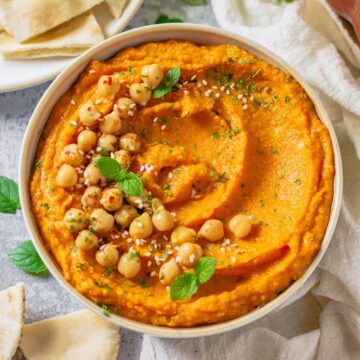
(45, 297)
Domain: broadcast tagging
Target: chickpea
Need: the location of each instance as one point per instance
(183, 234)
(141, 227)
(189, 254)
(86, 240)
(101, 221)
(111, 123)
(163, 220)
(240, 225)
(156, 204)
(140, 93)
(129, 265)
(66, 176)
(91, 196)
(130, 142)
(92, 174)
(87, 140)
(125, 107)
(169, 272)
(212, 230)
(107, 255)
(88, 114)
(152, 75)
(107, 143)
(75, 220)
(108, 86)
(123, 157)
(72, 155)
(112, 199)
(125, 215)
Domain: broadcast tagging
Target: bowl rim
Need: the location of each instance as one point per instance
(112, 46)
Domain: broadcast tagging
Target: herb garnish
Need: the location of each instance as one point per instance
(9, 196)
(185, 285)
(130, 69)
(170, 79)
(25, 257)
(130, 183)
(164, 19)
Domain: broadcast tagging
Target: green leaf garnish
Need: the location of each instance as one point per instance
(170, 79)
(130, 183)
(9, 196)
(164, 19)
(205, 268)
(25, 257)
(186, 285)
(195, 2)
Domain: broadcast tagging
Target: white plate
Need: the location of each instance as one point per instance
(20, 74)
(199, 34)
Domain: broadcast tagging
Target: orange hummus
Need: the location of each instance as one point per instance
(235, 135)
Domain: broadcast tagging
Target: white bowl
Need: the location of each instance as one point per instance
(200, 35)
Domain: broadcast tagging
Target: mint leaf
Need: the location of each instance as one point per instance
(25, 257)
(195, 2)
(9, 196)
(164, 19)
(130, 183)
(205, 268)
(170, 79)
(111, 169)
(184, 286)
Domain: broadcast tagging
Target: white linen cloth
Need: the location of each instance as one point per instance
(322, 320)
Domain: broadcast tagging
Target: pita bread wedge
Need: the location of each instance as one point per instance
(25, 19)
(80, 335)
(116, 6)
(69, 39)
(12, 314)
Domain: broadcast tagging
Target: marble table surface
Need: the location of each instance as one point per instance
(45, 297)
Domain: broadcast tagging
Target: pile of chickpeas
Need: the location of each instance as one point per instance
(102, 134)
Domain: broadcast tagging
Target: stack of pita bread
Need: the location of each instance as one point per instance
(80, 335)
(43, 28)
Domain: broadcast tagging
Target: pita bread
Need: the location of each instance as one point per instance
(116, 6)
(12, 314)
(80, 335)
(25, 19)
(69, 39)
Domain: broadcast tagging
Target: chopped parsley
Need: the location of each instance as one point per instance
(216, 135)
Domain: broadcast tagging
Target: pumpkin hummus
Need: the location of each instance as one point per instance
(232, 135)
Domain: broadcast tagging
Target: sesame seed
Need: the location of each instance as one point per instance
(233, 259)
(149, 263)
(170, 175)
(192, 258)
(252, 98)
(222, 249)
(129, 240)
(204, 82)
(193, 77)
(228, 92)
(92, 71)
(240, 96)
(217, 95)
(177, 248)
(178, 259)
(153, 273)
(73, 123)
(155, 119)
(244, 100)
(186, 92)
(72, 102)
(163, 127)
(98, 101)
(137, 242)
(245, 107)
(167, 288)
(122, 107)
